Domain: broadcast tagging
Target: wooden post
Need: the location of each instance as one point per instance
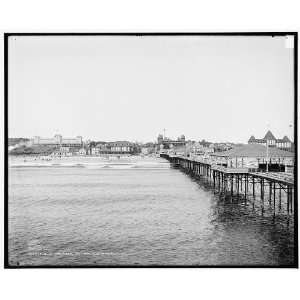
(222, 182)
(288, 199)
(241, 178)
(279, 196)
(246, 185)
(274, 196)
(270, 191)
(291, 197)
(253, 186)
(238, 183)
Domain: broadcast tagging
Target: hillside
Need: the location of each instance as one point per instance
(15, 141)
(34, 150)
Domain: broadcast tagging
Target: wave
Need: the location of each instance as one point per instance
(135, 165)
(95, 167)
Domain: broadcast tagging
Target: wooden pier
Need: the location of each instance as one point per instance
(275, 187)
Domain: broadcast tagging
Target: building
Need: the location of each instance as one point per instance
(169, 143)
(205, 143)
(148, 148)
(59, 141)
(64, 149)
(255, 156)
(95, 150)
(82, 151)
(222, 146)
(121, 147)
(199, 148)
(179, 150)
(283, 144)
(118, 147)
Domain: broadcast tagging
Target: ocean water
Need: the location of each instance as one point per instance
(134, 211)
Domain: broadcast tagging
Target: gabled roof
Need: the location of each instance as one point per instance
(286, 139)
(252, 139)
(269, 136)
(254, 150)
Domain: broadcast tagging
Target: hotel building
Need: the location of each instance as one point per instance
(58, 140)
(283, 144)
(119, 147)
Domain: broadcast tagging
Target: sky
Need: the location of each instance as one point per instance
(106, 88)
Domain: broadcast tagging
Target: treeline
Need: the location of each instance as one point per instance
(33, 150)
(15, 141)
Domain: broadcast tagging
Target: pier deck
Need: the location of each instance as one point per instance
(280, 177)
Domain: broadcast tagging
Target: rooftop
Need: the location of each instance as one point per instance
(286, 139)
(269, 136)
(252, 138)
(254, 150)
(120, 143)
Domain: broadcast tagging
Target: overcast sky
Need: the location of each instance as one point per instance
(130, 88)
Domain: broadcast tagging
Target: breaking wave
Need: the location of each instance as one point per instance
(155, 164)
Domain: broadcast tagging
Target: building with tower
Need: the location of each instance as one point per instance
(284, 144)
(168, 143)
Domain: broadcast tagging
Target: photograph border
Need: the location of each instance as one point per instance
(295, 71)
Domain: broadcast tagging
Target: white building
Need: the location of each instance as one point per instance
(58, 140)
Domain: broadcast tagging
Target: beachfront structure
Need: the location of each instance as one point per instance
(118, 147)
(255, 156)
(283, 144)
(169, 143)
(148, 148)
(58, 140)
(121, 147)
(82, 151)
(198, 148)
(66, 151)
(222, 146)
